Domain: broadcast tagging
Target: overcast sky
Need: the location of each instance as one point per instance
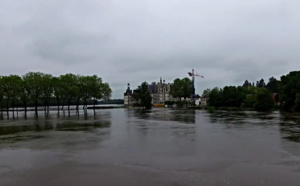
(130, 41)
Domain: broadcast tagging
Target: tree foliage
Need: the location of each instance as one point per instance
(264, 100)
(181, 88)
(289, 89)
(39, 88)
(257, 98)
(273, 85)
(142, 96)
(261, 83)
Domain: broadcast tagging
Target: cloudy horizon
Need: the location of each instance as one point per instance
(134, 41)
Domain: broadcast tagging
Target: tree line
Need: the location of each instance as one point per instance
(37, 88)
(259, 96)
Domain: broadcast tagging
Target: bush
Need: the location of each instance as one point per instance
(210, 109)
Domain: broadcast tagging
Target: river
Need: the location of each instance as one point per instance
(157, 147)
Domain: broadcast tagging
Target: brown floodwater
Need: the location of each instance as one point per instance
(157, 147)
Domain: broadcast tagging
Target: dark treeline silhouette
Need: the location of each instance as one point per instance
(111, 101)
(283, 93)
(40, 89)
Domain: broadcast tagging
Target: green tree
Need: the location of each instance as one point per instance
(215, 97)
(297, 103)
(264, 100)
(11, 91)
(142, 96)
(35, 81)
(273, 85)
(233, 96)
(70, 84)
(181, 88)
(92, 87)
(58, 90)
(206, 93)
(1, 95)
(289, 88)
(47, 90)
(25, 94)
(250, 101)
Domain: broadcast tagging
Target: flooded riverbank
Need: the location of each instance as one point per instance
(158, 147)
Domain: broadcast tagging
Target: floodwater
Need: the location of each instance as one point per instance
(158, 147)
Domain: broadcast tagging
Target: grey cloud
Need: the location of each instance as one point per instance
(134, 41)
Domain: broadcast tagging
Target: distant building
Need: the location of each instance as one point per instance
(128, 100)
(160, 92)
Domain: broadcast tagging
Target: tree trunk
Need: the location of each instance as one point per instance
(57, 101)
(45, 106)
(13, 108)
(1, 114)
(18, 112)
(85, 107)
(7, 108)
(36, 111)
(69, 109)
(94, 107)
(77, 105)
(25, 105)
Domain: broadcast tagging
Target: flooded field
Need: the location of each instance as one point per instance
(158, 147)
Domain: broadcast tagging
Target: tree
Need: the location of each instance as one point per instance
(297, 103)
(264, 100)
(214, 97)
(70, 91)
(57, 91)
(142, 96)
(273, 85)
(250, 98)
(1, 95)
(24, 94)
(92, 87)
(47, 90)
(246, 84)
(181, 88)
(289, 88)
(35, 81)
(261, 83)
(206, 93)
(11, 91)
(233, 96)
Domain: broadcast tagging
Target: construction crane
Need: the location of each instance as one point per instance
(194, 74)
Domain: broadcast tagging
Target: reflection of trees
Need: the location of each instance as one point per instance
(82, 126)
(17, 130)
(237, 118)
(290, 126)
(185, 116)
(227, 117)
(141, 113)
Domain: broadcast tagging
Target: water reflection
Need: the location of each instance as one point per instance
(161, 114)
(77, 126)
(228, 117)
(244, 117)
(162, 146)
(290, 126)
(24, 129)
(289, 123)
